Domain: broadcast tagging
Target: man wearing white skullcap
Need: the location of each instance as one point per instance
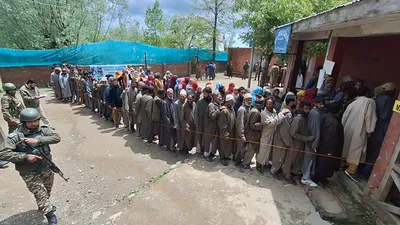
(178, 106)
(226, 125)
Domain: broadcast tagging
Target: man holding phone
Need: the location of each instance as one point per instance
(31, 96)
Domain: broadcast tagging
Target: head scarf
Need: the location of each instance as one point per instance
(218, 86)
(230, 88)
(284, 102)
(177, 85)
(195, 86)
(309, 97)
(187, 80)
(172, 82)
(256, 91)
(151, 77)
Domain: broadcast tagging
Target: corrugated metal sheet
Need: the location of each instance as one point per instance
(327, 11)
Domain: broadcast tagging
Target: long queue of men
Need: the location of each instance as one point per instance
(299, 136)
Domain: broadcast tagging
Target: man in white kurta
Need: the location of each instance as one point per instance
(270, 120)
(359, 122)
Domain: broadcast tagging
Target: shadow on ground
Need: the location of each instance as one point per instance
(32, 217)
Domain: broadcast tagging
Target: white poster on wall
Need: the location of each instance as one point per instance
(321, 77)
(328, 66)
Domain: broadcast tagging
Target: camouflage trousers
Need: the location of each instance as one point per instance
(40, 186)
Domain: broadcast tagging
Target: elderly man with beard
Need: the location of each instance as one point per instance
(115, 99)
(188, 124)
(241, 121)
(145, 101)
(293, 160)
(167, 115)
(130, 99)
(282, 139)
(178, 107)
(211, 130)
(226, 128)
(200, 112)
(139, 108)
(270, 120)
(252, 133)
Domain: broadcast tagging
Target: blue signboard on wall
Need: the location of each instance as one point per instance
(282, 37)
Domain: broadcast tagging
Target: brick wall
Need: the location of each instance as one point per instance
(19, 75)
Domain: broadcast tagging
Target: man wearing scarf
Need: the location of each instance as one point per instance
(200, 119)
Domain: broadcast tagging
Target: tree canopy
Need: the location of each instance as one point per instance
(262, 16)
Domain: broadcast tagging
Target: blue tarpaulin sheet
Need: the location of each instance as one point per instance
(104, 53)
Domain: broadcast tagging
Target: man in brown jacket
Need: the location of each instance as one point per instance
(282, 139)
(294, 159)
(241, 121)
(188, 124)
(226, 125)
(252, 132)
(211, 130)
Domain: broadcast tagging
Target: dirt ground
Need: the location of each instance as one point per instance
(115, 178)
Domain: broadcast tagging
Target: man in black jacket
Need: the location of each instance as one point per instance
(115, 100)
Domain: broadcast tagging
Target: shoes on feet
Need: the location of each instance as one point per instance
(309, 183)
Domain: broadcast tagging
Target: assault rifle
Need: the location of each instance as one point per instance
(53, 167)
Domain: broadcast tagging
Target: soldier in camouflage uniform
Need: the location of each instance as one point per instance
(11, 106)
(34, 171)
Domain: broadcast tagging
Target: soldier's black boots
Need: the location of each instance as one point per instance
(51, 218)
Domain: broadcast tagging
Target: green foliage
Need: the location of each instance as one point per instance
(49, 24)
(221, 13)
(316, 48)
(262, 16)
(188, 30)
(154, 21)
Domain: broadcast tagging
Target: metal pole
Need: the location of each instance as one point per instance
(251, 64)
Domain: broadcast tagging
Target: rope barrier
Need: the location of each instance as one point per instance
(255, 142)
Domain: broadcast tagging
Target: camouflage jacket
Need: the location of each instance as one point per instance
(15, 150)
(11, 107)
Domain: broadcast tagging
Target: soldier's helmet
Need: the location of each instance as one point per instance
(9, 87)
(29, 114)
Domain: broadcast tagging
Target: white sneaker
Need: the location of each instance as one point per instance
(309, 183)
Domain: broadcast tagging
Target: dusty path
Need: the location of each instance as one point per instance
(117, 179)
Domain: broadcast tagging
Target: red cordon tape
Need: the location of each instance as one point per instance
(254, 142)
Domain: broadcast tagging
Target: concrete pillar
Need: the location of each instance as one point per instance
(295, 60)
(335, 54)
(387, 149)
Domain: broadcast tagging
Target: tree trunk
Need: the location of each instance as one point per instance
(215, 30)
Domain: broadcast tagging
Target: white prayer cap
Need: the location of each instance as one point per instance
(229, 98)
(247, 95)
(216, 92)
(183, 92)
